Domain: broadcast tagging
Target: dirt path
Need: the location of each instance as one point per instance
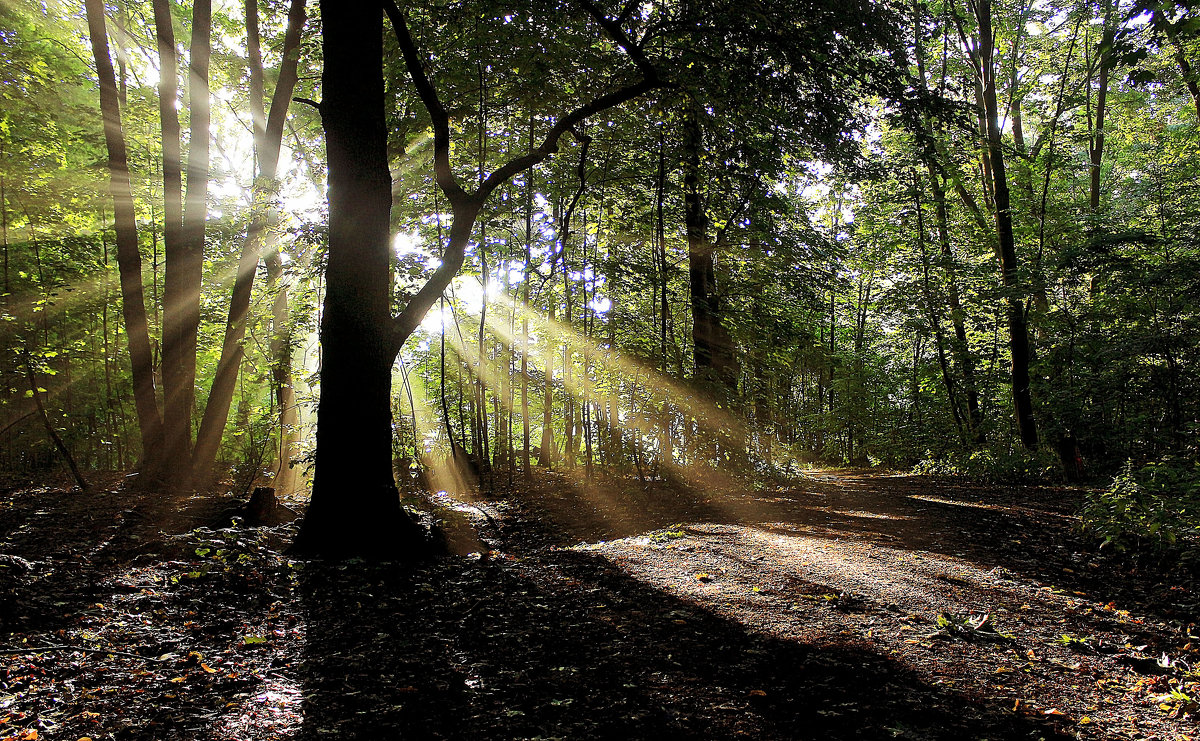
(609, 611)
(986, 591)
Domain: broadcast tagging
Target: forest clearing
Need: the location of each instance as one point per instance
(851, 605)
(599, 368)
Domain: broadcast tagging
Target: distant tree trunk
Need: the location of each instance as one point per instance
(1015, 311)
(570, 448)
(129, 261)
(546, 446)
(526, 270)
(355, 509)
(699, 250)
(259, 238)
(935, 315)
(1096, 146)
(712, 345)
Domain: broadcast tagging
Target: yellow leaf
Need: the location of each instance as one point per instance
(757, 693)
(208, 669)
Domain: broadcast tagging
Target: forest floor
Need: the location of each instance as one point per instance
(850, 604)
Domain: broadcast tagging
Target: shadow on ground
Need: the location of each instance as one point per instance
(1030, 532)
(564, 645)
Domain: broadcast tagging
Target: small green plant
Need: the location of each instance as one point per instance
(1155, 507)
(671, 533)
(991, 466)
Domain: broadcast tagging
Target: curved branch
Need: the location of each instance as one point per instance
(438, 117)
(550, 144)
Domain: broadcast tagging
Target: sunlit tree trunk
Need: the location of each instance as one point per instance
(259, 239)
(183, 229)
(129, 261)
(935, 315)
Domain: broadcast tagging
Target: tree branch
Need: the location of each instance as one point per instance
(550, 144)
(437, 112)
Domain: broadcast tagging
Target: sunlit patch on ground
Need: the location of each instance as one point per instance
(275, 711)
(782, 569)
(954, 502)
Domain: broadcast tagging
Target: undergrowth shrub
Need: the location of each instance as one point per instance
(1155, 507)
(993, 466)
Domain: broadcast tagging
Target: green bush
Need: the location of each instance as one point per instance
(1154, 507)
(993, 466)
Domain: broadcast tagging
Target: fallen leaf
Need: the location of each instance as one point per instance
(757, 693)
(208, 669)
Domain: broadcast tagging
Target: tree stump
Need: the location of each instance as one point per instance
(263, 505)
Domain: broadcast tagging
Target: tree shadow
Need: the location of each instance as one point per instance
(1026, 532)
(61, 551)
(566, 645)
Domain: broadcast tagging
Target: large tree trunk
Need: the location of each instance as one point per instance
(268, 136)
(1018, 333)
(129, 260)
(360, 339)
(177, 396)
(355, 508)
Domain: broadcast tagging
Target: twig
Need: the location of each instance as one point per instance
(101, 651)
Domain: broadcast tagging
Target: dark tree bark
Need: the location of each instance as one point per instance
(711, 342)
(1018, 332)
(177, 396)
(355, 508)
(1096, 146)
(129, 260)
